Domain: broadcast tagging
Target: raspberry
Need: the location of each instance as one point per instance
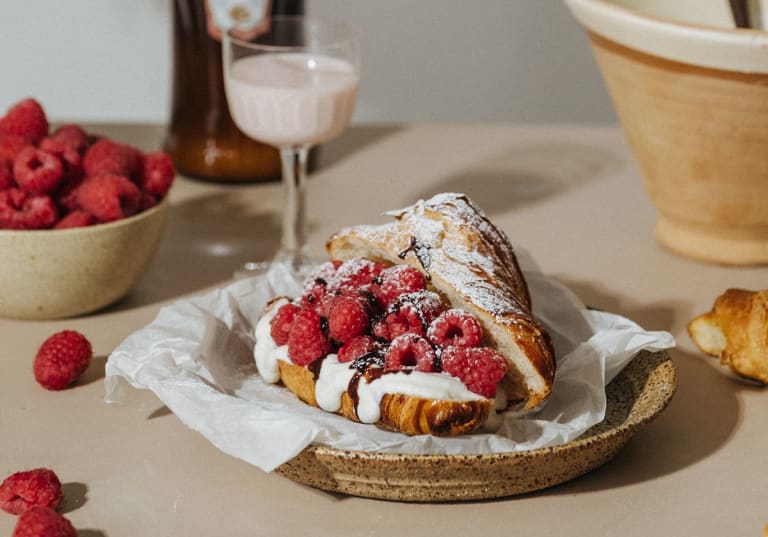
(147, 201)
(410, 351)
(11, 145)
(381, 330)
(406, 320)
(412, 313)
(19, 210)
(109, 197)
(357, 347)
(280, 326)
(348, 319)
(479, 368)
(324, 304)
(324, 272)
(307, 340)
(355, 274)
(157, 173)
(398, 280)
(26, 118)
(43, 522)
(76, 218)
(22, 490)
(11, 198)
(456, 328)
(37, 171)
(107, 157)
(6, 173)
(61, 359)
(71, 160)
(66, 194)
(73, 136)
(314, 292)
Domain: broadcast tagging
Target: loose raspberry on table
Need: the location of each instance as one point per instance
(107, 157)
(307, 340)
(37, 171)
(22, 490)
(76, 218)
(11, 145)
(19, 210)
(109, 197)
(61, 359)
(26, 118)
(456, 328)
(398, 280)
(281, 323)
(157, 173)
(73, 136)
(410, 351)
(43, 522)
(412, 313)
(479, 368)
(348, 318)
(357, 347)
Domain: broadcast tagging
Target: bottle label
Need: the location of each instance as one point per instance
(245, 18)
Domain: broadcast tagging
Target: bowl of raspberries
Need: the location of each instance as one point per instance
(81, 215)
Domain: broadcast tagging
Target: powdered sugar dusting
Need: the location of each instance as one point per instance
(471, 253)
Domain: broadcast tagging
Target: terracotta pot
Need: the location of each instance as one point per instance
(693, 101)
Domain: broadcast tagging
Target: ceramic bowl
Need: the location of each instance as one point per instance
(691, 92)
(49, 274)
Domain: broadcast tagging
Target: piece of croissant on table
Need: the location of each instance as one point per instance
(736, 331)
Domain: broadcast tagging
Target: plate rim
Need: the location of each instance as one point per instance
(659, 366)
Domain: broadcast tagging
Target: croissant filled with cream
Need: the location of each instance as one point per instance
(422, 325)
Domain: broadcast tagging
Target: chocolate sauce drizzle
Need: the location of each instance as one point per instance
(422, 253)
(315, 367)
(369, 366)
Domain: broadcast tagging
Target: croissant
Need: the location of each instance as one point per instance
(472, 264)
(736, 331)
(467, 265)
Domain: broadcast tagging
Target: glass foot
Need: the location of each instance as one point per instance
(251, 269)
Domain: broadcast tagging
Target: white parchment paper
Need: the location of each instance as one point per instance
(197, 357)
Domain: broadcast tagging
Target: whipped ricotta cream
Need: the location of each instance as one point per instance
(335, 377)
(266, 352)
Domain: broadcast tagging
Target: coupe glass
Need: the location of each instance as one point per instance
(293, 87)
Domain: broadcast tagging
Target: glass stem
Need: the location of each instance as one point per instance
(294, 235)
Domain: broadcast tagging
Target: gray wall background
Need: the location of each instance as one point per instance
(424, 60)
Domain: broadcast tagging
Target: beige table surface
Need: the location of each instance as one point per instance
(572, 196)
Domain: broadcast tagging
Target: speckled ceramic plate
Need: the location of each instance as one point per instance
(637, 395)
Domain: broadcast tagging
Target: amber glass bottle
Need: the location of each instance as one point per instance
(202, 138)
